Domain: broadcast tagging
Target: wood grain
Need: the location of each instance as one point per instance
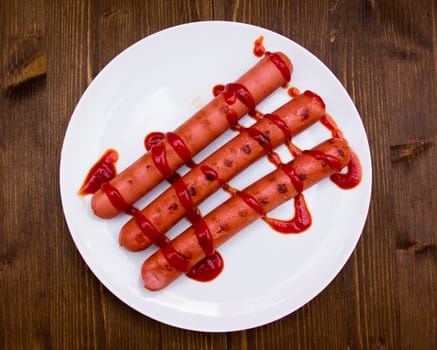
(384, 53)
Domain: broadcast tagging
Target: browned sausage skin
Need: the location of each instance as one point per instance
(232, 158)
(234, 214)
(197, 132)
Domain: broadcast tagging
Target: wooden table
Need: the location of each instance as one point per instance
(385, 54)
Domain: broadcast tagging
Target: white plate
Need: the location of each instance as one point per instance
(156, 84)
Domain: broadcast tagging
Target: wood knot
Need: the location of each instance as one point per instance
(114, 13)
(333, 33)
(416, 247)
(32, 67)
(402, 53)
(407, 151)
(7, 258)
(25, 61)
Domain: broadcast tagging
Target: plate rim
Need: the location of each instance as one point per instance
(210, 328)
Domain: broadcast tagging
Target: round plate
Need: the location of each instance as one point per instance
(155, 85)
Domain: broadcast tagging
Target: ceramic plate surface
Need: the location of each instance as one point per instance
(155, 85)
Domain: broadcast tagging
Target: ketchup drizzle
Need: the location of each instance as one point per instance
(258, 47)
(204, 236)
(293, 91)
(217, 89)
(302, 218)
(328, 159)
(213, 262)
(300, 222)
(115, 197)
(331, 125)
(209, 267)
(159, 157)
(251, 202)
(295, 178)
(257, 115)
(280, 124)
(153, 139)
(182, 192)
(201, 229)
(102, 171)
(144, 224)
(316, 97)
(352, 177)
(280, 64)
(234, 91)
(175, 259)
(232, 118)
(180, 147)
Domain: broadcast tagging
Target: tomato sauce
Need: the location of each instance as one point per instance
(102, 171)
(157, 142)
(258, 47)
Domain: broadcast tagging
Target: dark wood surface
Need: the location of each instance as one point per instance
(385, 54)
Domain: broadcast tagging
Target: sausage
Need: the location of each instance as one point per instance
(235, 214)
(272, 71)
(233, 157)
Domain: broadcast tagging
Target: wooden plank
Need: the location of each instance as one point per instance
(383, 52)
(408, 49)
(25, 297)
(96, 34)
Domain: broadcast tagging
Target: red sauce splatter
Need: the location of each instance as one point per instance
(353, 175)
(294, 177)
(144, 224)
(293, 91)
(179, 146)
(331, 161)
(251, 202)
(102, 171)
(257, 115)
(331, 125)
(174, 258)
(258, 47)
(232, 118)
(217, 89)
(280, 124)
(299, 223)
(211, 266)
(203, 235)
(211, 174)
(234, 91)
(115, 197)
(182, 192)
(315, 97)
(159, 158)
(280, 64)
(261, 138)
(207, 269)
(293, 149)
(153, 139)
